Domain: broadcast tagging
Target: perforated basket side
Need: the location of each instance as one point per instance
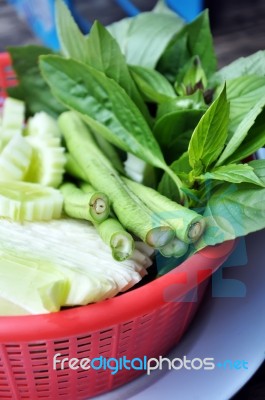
(27, 369)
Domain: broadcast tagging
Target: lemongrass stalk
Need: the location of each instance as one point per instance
(115, 236)
(175, 248)
(110, 152)
(132, 213)
(72, 168)
(86, 187)
(92, 206)
(188, 225)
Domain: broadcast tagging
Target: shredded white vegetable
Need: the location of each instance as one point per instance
(75, 250)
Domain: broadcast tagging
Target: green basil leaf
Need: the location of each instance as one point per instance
(242, 131)
(242, 93)
(233, 173)
(72, 41)
(25, 58)
(174, 57)
(99, 50)
(192, 102)
(191, 77)
(259, 168)
(173, 132)
(103, 104)
(255, 140)
(32, 88)
(104, 54)
(179, 145)
(143, 38)
(209, 137)
(154, 86)
(201, 42)
(251, 65)
(232, 211)
(195, 39)
(182, 168)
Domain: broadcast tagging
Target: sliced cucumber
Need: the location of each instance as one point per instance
(12, 119)
(42, 124)
(22, 201)
(47, 162)
(15, 159)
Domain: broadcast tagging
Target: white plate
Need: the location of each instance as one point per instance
(226, 328)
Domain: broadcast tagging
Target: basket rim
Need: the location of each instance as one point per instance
(125, 307)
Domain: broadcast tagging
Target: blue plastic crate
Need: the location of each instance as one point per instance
(187, 9)
(40, 15)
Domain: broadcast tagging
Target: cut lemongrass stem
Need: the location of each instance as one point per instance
(119, 240)
(99, 201)
(188, 225)
(159, 236)
(175, 248)
(92, 206)
(132, 213)
(196, 230)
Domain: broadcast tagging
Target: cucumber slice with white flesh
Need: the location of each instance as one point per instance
(74, 249)
(42, 124)
(12, 119)
(22, 201)
(47, 162)
(15, 159)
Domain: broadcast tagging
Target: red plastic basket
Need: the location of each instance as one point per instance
(147, 321)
